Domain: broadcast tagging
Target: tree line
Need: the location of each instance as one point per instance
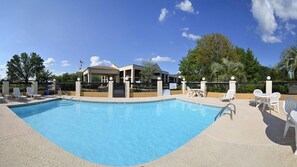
(214, 57)
(217, 59)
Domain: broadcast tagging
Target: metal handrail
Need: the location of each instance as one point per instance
(229, 108)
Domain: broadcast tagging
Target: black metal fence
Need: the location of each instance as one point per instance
(249, 87)
(66, 86)
(21, 85)
(193, 85)
(0, 87)
(174, 86)
(143, 87)
(45, 88)
(285, 87)
(217, 86)
(94, 87)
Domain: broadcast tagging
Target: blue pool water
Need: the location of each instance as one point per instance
(118, 134)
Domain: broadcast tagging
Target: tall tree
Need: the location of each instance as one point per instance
(223, 71)
(288, 62)
(210, 48)
(44, 76)
(251, 65)
(24, 66)
(66, 77)
(148, 70)
(189, 67)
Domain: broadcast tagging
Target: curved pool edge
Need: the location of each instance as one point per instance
(25, 147)
(36, 136)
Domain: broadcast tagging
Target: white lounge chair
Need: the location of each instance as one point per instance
(257, 93)
(230, 95)
(16, 93)
(31, 93)
(274, 101)
(166, 92)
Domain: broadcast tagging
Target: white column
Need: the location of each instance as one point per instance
(89, 80)
(268, 85)
(54, 86)
(34, 87)
(77, 87)
(127, 89)
(203, 86)
(124, 75)
(110, 88)
(232, 85)
(159, 87)
(184, 86)
(132, 75)
(5, 87)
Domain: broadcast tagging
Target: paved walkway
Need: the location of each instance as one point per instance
(252, 138)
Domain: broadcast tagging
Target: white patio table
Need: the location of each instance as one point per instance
(264, 99)
(197, 92)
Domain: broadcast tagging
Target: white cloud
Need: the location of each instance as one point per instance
(266, 13)
(163, 15)
(65, 63)
(162, 59)
(2, 71)
(186, 6)
(190, 36)
(50, 61)
(2, 67)
(95, 61)
(290, 27)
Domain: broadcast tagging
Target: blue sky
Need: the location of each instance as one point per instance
(63, 32)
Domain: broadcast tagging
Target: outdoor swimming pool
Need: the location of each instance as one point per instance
(118, 134)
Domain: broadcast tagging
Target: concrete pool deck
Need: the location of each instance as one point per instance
(252, 138)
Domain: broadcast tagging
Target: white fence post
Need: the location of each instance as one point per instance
(232, 84)
(54, 86)
(203, 86)
(127, 88)
(184, 86)
(34, 87)
(268, 85)
(5, 87)
(159, 87)
(110, 87)
(77, 87)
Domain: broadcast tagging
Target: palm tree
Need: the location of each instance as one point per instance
(224, 71)
(288, 62)
(148, 71)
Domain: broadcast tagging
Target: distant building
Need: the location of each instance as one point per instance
(119, 73)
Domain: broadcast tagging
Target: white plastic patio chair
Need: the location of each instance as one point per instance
(293, 118)
(274, 101)
(190, 93)
(289, 105)
(230, 95)
(257, 93)
(16, 93)
(31, 93)
(1, 97)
